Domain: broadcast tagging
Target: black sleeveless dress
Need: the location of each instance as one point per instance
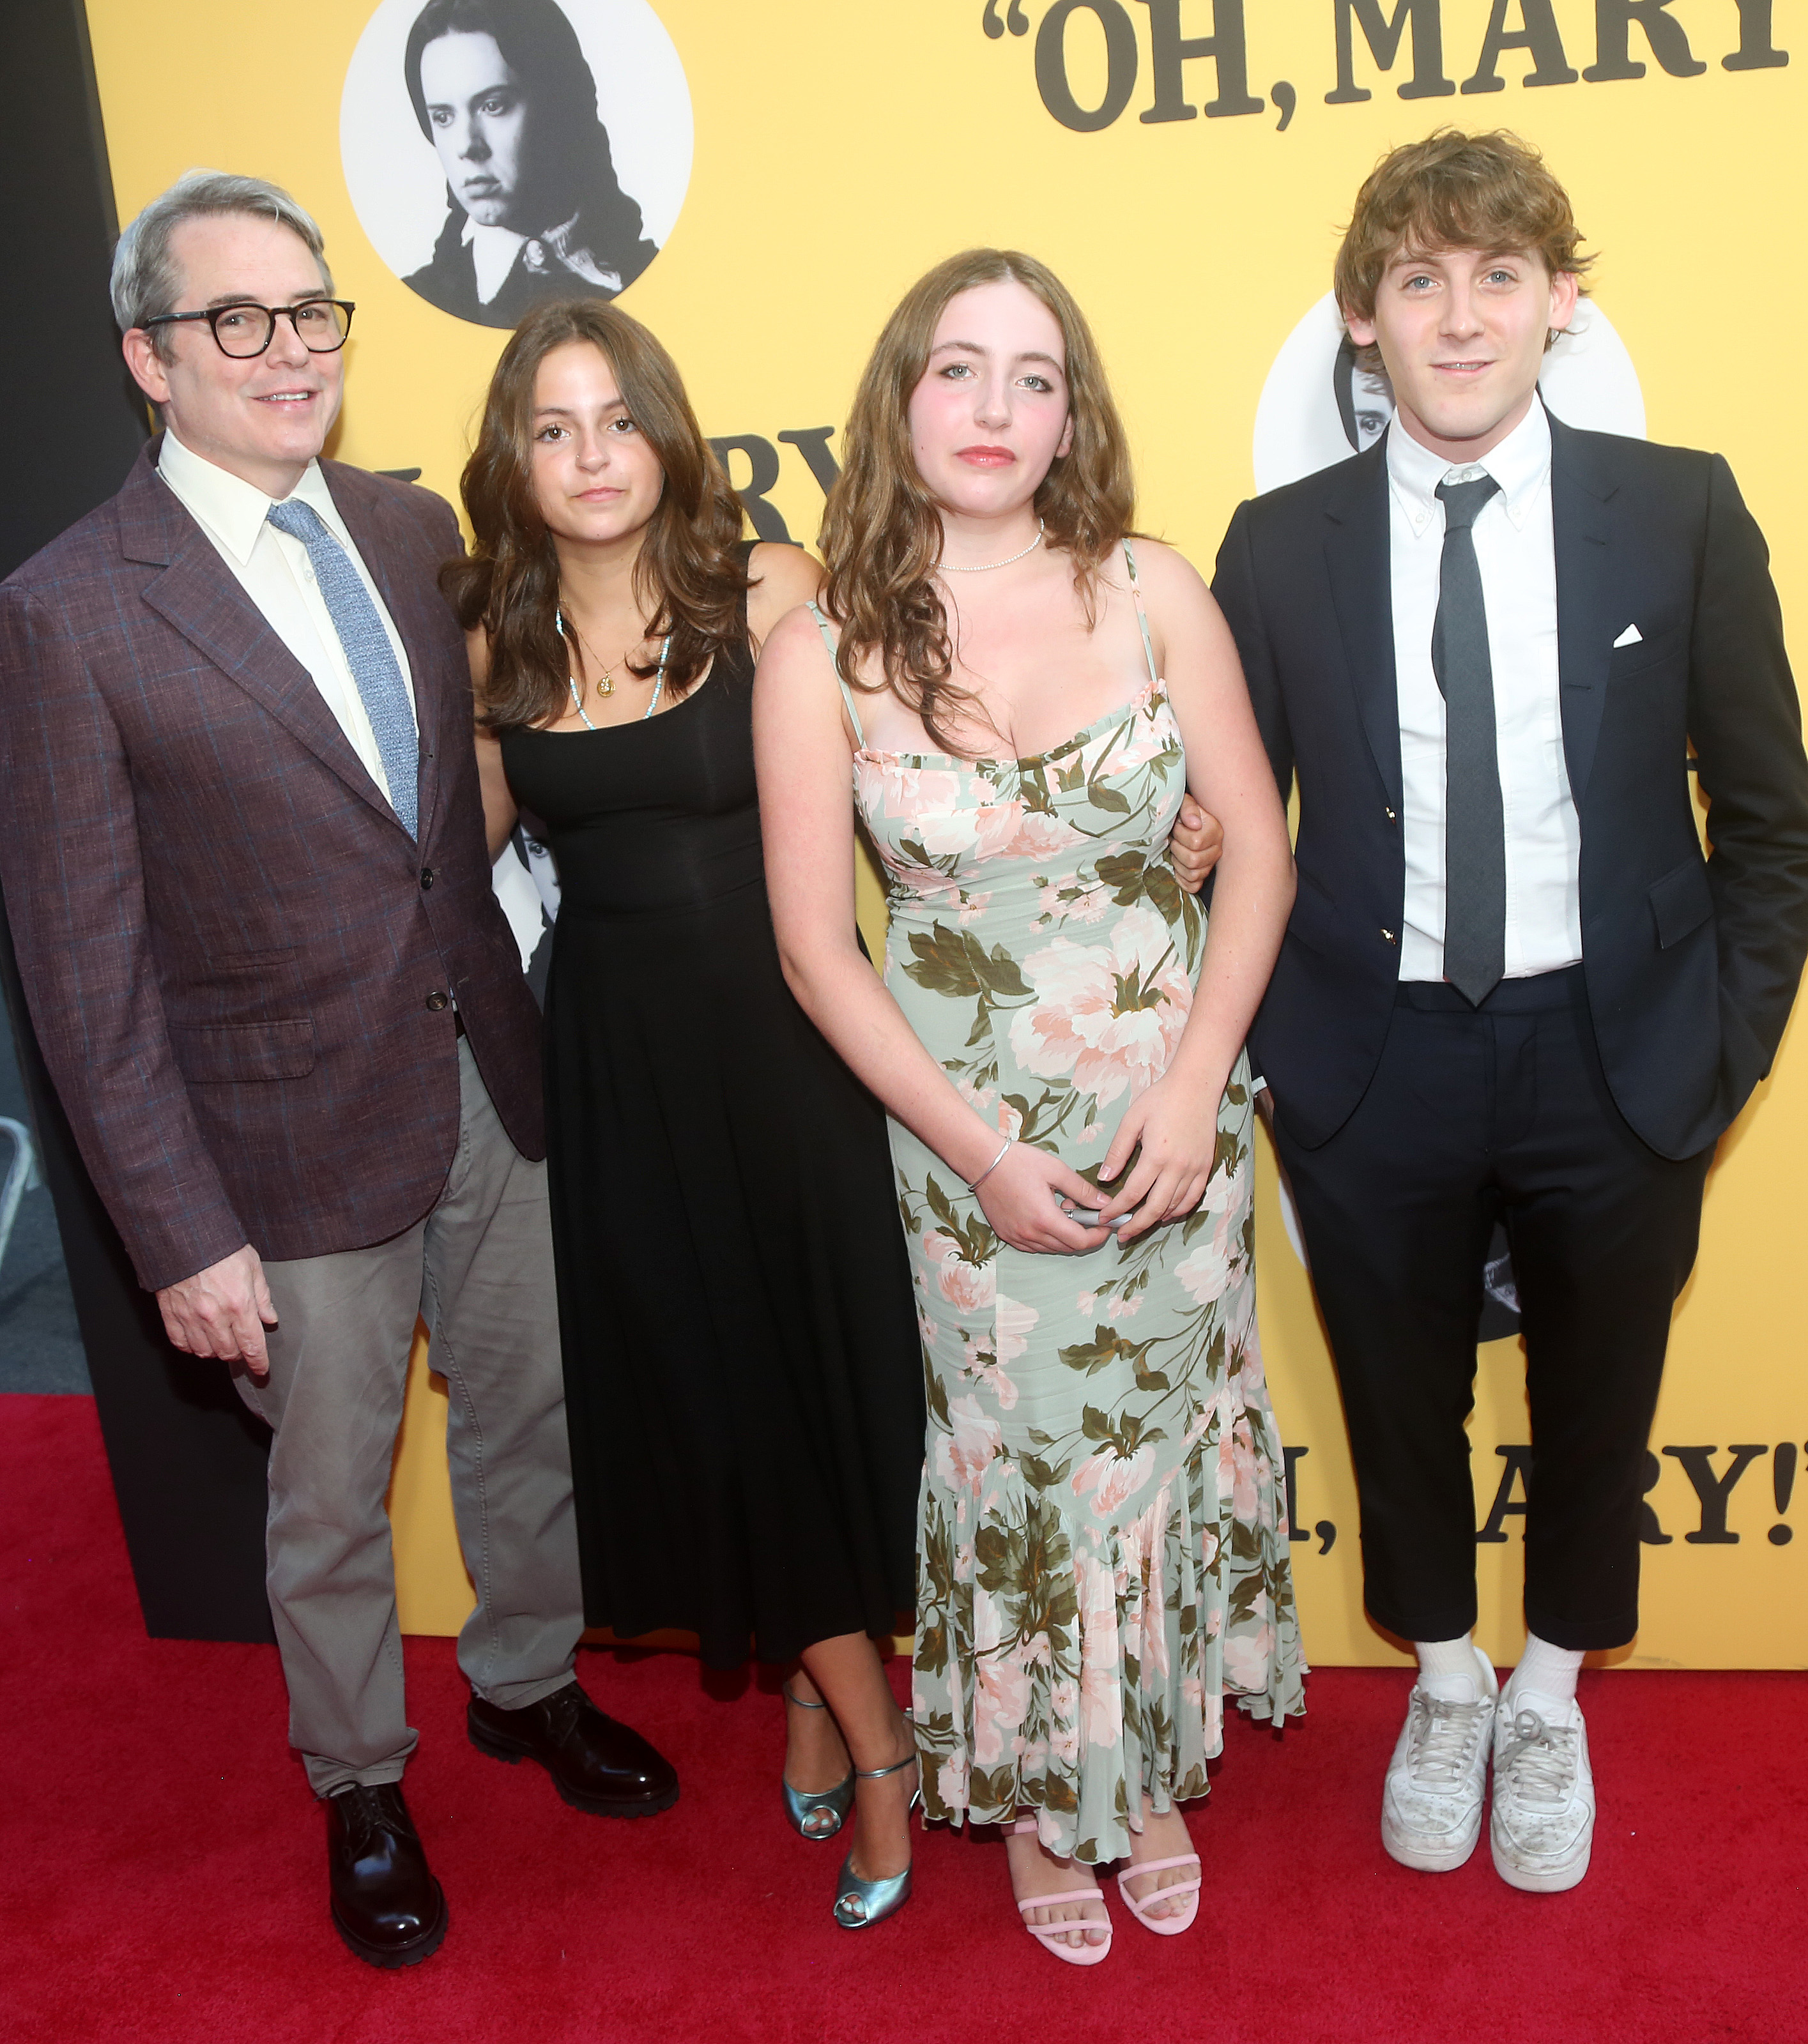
(744, 1375)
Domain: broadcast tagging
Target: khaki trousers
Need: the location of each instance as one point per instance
(478, 1269)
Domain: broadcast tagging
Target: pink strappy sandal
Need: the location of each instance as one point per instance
(1170, 1926)
(1053, 1937)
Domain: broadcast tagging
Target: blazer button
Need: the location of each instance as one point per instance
(1390, 814)
(435, 1000)
(426, 876)
(1388, 934)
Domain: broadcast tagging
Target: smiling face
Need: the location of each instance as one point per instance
(1462, 335)
(479, 114)
(263, 418)
(596, 478)
(990, 413)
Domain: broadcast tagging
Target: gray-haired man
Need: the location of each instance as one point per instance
(248, 883)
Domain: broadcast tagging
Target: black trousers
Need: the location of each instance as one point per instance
(1476, 1115)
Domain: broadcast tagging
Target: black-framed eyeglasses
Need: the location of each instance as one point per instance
(321, 325)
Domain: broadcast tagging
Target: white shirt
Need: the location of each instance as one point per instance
(1515, 552)
(278, 578)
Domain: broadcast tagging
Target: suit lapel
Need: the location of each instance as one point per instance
(200, 596)
(1582, 524)
(407, 600)
(1357, 556)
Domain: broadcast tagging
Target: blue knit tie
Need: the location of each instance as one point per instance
(369, 653)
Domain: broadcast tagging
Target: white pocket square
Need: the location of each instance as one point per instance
(1631, 636)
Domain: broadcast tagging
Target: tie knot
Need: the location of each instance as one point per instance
(1462, 502)
(301, 521)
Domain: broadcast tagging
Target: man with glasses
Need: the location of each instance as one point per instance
(246, 873)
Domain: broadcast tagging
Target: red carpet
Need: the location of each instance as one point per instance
(163, 1871)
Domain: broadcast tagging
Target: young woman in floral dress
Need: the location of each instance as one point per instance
(1019, 695)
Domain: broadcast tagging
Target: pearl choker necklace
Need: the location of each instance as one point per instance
(986, 567)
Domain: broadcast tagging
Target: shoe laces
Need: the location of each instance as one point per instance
(1541, 1759)
(367, 1808)
(1442, 1752)
(562, 1709)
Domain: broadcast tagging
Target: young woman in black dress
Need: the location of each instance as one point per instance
(743, 1369)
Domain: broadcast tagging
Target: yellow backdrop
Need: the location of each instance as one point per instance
(840, 149)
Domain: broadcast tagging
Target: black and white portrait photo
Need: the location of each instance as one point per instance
(500, 152)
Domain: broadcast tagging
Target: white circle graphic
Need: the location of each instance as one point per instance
(476, 163)
(1318, 406)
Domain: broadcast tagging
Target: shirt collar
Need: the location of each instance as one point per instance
(493, 253)
(233, 510)
(1521, 464)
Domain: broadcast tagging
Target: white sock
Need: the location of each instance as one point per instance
(1447, 1669)
(1549, 1671)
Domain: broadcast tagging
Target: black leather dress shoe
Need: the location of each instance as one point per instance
(596, 1764)
(386, 1905)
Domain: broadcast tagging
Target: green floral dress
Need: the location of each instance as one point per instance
(1102, 1552)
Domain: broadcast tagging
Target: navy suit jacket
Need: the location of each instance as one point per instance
(1691, 962)
(237, 961)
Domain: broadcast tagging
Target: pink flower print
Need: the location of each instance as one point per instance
(951, 1782)
(1041, 836)
(1236, 1468)
(1100, 1682)
(1001, 1702)
(982, 1362)
(1107, 1016)
(964, 1452)
(969, 1288)
(1206, 1273)
(1208, 1548)
(1109, 1478)
(972, 907)
(1085, 1303)
(952, 827)
(1154, 730)
(1246, 1660)
(1125, 1309)
(1064, 1721)
(1214, 1722)
(984, 1101)
(1014, 1322)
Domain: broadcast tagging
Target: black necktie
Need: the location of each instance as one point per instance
(1475, 843)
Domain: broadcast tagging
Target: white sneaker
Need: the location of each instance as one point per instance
(1543, 1827)
(1431, 1808)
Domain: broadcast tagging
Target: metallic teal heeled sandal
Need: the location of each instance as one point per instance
(860, 1904)
(815, 1814)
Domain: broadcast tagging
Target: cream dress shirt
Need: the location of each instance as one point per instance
(1515, 552)
(278, 578)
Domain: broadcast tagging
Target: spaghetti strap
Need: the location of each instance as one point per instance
(847, 693)
(1142, 615)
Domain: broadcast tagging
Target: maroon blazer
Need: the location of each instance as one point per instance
(238, 963)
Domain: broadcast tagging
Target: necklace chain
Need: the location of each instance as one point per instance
(606, 686)
(986, 567)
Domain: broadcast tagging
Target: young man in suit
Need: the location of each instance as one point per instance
(1512, 986)
(244, 864)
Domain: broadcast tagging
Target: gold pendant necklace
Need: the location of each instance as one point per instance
(606, 686)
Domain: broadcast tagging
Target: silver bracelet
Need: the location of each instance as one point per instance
(973, 1185)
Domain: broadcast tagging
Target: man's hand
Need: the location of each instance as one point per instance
(1194, 848)
(222, 1311)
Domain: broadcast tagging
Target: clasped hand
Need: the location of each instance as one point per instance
(1172, 1130)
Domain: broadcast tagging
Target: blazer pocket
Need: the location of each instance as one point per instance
(1645, 653)
(1681, 901)
(230, 1053)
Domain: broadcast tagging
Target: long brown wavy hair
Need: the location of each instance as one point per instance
(688, 575)
(882, 532)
